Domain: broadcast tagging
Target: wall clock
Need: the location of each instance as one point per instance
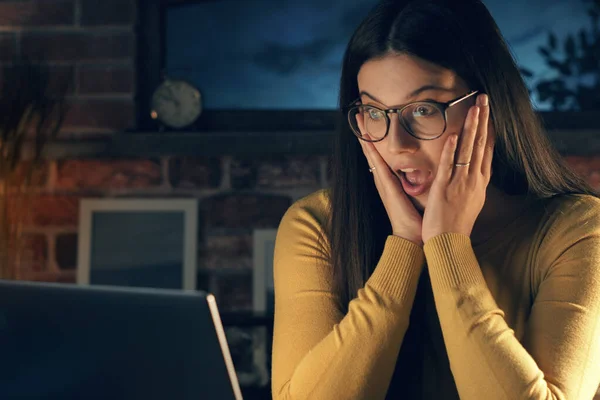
(176, 103)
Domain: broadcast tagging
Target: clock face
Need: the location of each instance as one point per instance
(176, 103)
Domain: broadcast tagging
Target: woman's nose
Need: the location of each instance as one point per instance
(399, 140)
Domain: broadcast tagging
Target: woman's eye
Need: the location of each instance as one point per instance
(424, 111)
(375, 114)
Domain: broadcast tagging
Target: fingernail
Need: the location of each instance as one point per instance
(483, 100)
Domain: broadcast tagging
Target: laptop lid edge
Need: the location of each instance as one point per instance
(214, 312)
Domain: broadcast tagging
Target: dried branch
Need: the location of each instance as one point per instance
(32, 110)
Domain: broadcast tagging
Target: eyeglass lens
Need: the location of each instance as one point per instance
(423, 120)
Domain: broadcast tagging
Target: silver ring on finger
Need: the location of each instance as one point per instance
(371, 169)
(462, 164)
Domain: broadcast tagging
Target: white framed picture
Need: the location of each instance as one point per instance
(138, 242)
(263, 296)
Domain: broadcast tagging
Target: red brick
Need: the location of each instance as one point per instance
(227, 252)
(16, 208)
(66, 251)
(96, 79)
(289, 172)
(107, 174)
(99, 115)
(52, 276)
(8, 46)
(107, 12)
(275, 172)
(35, 252)
(78, 46)
(38, 177)
(52, 210)
(66, 277)
(37, 12)
(32, 255)
(192, 172)
(7, 269)
(244, 210)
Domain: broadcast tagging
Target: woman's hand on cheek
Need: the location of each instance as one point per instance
(405, 219)
(457, 194)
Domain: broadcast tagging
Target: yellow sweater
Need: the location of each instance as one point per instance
(516, 317)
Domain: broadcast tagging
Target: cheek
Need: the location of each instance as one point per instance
(435, 152)
(381, 149)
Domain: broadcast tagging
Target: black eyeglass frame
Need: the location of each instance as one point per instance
(442, 107)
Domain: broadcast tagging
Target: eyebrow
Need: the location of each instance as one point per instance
(414, 93)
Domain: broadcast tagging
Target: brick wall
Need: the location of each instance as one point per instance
(91, 43)
(236, 195)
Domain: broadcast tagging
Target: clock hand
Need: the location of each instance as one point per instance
(165, 97)
(173, 96)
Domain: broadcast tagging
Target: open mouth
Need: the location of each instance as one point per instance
(412, 179)
(415, 182)
(416, 177)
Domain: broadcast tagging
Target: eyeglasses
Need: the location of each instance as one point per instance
(425, 120)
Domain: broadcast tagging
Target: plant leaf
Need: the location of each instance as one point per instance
(563, 67)
(526, 72)
(544, 52)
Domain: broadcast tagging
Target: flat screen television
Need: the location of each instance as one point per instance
(275, 64)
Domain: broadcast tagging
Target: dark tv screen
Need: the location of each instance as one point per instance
(287, 54)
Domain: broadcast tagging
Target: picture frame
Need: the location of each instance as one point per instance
(262, 278)
(138, 242)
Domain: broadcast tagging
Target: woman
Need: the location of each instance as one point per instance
(437, 268)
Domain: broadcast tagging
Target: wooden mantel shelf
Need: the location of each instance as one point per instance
(139, 144)
(155, 144)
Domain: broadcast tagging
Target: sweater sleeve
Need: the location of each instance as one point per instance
(319, 353)
(560, 354)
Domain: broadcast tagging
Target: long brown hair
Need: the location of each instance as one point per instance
(462, 36)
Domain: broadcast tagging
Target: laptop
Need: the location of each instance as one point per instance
(62, 341)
